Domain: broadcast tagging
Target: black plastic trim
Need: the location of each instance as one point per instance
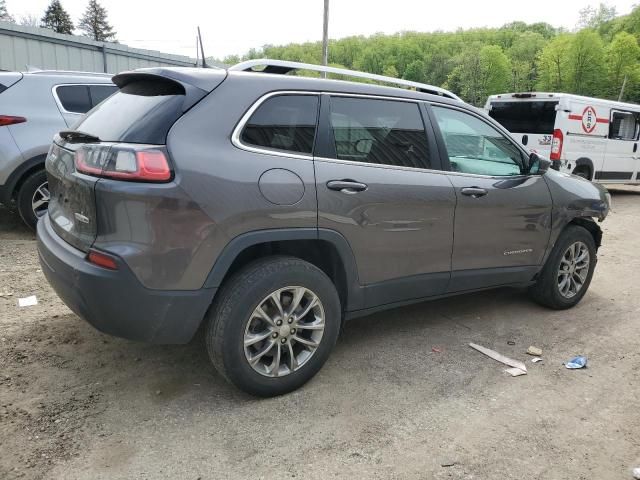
(240, 243)
(613, 175)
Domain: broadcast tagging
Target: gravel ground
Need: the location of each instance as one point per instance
(402, 396)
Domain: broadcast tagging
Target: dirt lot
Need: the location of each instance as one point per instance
(76, 404)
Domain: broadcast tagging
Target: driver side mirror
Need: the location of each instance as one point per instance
(536, 165)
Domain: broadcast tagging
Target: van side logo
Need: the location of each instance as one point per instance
(589, 119)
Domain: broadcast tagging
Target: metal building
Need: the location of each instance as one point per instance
(24, 47)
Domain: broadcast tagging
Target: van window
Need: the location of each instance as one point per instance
(285, 122)
(525, 117)
(379, 131)
(623, 126)
(473, 146)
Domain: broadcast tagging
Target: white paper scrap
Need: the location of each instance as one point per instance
(27, 301)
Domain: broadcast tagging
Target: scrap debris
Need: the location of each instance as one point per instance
(576, 362)
(514, 364)
(535, 351)
(536, 359)
(27, 301)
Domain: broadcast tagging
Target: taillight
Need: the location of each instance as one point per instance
(102, 260)
(10, 120)
(142, 163)
(556, 145)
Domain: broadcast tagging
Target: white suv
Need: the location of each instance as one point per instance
(34, 106)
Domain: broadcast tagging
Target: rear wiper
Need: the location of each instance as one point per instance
(75, 136)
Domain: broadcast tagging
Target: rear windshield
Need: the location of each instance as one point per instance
(140, 112)
(525, 117)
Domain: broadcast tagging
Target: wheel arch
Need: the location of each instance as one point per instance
(326, 249)
(591, 226)
(19, 175)
(585, 162)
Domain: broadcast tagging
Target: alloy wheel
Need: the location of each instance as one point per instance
(284, 331)
(573, 270)
(40, 200)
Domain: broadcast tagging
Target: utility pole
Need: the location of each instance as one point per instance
(624, 83)
(325, 37)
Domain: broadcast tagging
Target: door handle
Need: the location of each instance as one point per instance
(474, 192)
(346, 186)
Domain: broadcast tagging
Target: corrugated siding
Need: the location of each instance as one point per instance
(22, 47)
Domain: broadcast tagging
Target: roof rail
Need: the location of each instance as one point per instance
(282, 67)
(68, 72)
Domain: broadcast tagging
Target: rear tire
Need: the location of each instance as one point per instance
(282, 357)
(33, 198)
(565, 278)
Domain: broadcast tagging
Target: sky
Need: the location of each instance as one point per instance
(233, 27)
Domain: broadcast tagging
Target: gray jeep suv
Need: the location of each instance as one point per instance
(273, 207)
(33, 107)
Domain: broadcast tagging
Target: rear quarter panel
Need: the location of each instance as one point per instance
(171, 238)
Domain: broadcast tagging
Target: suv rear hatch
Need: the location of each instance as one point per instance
(121, 139)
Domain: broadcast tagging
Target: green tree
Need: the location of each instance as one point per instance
(415, 71)
(585, 63)
(552, 64)
(480, 73)
(622, 56)
(390, 71)
(523, 54)
(94, 23)
(4, 14)
(57, 19)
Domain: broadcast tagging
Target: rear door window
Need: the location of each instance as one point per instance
(383, 132)
(285, 122)
(525, 117)
(624, 126)
(74, 98)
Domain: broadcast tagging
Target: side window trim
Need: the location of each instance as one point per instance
(236, 135)
(326, 146)
(637, 125)
(443, 148)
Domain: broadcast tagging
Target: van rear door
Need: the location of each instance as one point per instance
(531, 121)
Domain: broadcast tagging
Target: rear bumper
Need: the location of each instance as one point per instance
(115, 302)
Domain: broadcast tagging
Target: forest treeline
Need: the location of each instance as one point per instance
(595, 59)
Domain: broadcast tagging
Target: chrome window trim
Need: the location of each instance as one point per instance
(237, 131)
(54, 92)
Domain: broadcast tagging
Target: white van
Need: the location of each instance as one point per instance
(594, 138)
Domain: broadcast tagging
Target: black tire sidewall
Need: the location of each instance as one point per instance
(293, 273)
(25, 195)
(571, 235)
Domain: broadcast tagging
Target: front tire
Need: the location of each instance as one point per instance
(566, 276)
(33, 198)
(273, 325)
